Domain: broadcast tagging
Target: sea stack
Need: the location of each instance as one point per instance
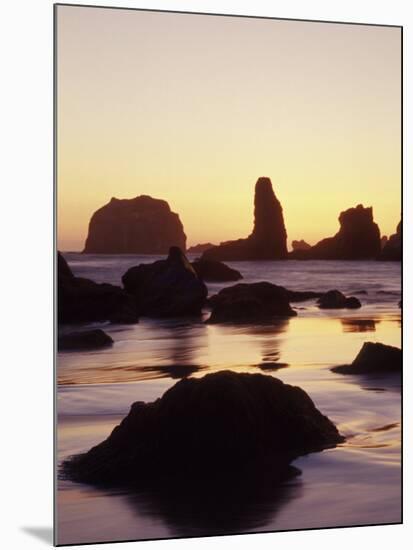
(268, 240)
(142, 225)
(392, 250)
(357, 239)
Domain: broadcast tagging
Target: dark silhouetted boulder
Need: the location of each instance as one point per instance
(300, 245)
(166, 288)
(357, 239)
(199, 248)
(249, 303)
(334, 299)
(85, 340)
(208, 426)
(142, 225)
(82, 300)
(374, 358)
(211, 270)
(392, 250)
(268, 240)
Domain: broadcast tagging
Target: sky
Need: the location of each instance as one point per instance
(193, 109)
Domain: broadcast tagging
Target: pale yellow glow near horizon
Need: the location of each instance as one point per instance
(193, 109)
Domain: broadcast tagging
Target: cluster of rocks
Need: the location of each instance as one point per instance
(264, 301)
(145, 225)
(174, 287)
(222, 422)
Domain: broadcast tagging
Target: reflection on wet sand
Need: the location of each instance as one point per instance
(239, 503)
(359, 325)
(269, 342)
(377, 382)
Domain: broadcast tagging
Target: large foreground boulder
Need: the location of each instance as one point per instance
(357, 239)
(204, 427)
(142, 225)
(81, 300)
(374, 358)
(392, 250)
(249, 303)
(268, 240)
(166, 288)
(334, 299)
(213, 271)
(84, 340)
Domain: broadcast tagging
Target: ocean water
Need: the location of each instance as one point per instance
(357, 483)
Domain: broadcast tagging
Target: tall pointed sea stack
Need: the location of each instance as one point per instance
(268, 240)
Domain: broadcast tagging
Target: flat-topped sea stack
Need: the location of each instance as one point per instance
(142, 225)
(392, 249)
(357, 239)
(268, 240)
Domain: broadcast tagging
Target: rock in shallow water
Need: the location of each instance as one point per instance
(213, 271)
(81, 300)
(374, 358)
(84, 340)
(334, 299)
(166, 288)
(248, 303)
(207, 426)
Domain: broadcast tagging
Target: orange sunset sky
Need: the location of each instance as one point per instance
(193, 109)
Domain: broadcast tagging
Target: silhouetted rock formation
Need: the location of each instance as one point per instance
(199, 248)
(88, 339)
(166, 288)
(250, 303)
(383, 241)
(142, 225)
(268, 240)
(300, 245)
(82, 300)
(334, 299)
(357, 239)
(209, 426)
(374, 358)
(392, 250)
(210, 270)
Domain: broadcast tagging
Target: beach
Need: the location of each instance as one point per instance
(356, 483)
